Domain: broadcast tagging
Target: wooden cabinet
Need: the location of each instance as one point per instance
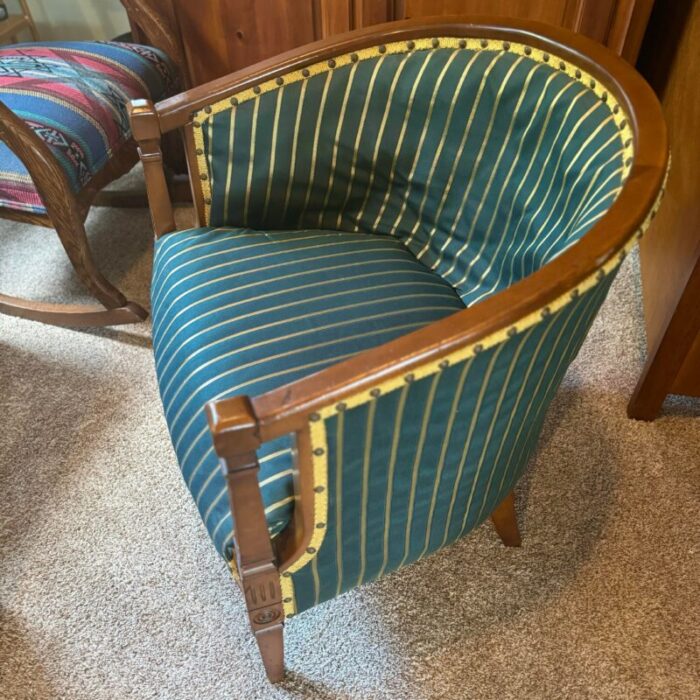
(221, 36)
(670, 252)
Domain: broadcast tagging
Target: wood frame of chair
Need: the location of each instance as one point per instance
(239, 425)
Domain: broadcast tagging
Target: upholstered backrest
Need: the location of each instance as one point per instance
(486, 159)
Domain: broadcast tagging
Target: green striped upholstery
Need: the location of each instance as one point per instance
(416, 468)
(485, 163)
(357, 200)
(240, 311)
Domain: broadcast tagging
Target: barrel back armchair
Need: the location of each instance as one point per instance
(404, 234)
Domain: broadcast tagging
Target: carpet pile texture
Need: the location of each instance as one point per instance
(110, 587)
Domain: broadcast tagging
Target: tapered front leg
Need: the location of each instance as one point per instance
(236, 445)
(505, 521)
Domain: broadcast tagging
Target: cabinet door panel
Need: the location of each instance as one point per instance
(552, 11)
(221, 36)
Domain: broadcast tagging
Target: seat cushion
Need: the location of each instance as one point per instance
(74, 95)
(237, 311)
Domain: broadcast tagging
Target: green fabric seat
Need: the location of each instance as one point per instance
(236, 310)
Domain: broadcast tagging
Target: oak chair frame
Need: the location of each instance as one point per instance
(67, 210)
(239, 425)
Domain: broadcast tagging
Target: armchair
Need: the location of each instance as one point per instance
(404, 235)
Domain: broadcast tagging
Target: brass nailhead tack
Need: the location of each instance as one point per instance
(203, 176)
(256, 89)
(311, 550)
(234, 101)
(600, 275)
(436, 43)
(545, 312)
(287, 600)
(319, 451)
(319, 489)
(506, 45)
(207, 109)
(331, 63)
(528, 50)
(199, 152)
(305, 72)
(478, 348)
(484, 43)
(382, 49)
(592, 83)
(623, 255)
(628, 143)
(562, 65)
(315, 416)
(462, 44)
(196, 125)
(409, 378)
(444, 364)
(341, 406)
(616, 109)
(604, 97)
(286, 574)
(574, 293)
(207, 200)
(513, 331)
(628, 162)
(578, 74)
(320, 526)
(623, 124)
(545, 57)
(411, 45)
(375, 392)
(353, 57)
(279, 81)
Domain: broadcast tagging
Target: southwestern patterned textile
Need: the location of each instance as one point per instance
(74, 95)
(348, 204)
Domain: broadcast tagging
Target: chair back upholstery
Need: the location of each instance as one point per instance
(485, 158)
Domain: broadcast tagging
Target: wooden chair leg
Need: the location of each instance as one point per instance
(271, 645)
(505, 521)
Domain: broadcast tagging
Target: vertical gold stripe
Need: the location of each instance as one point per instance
(416, 465)
(398, 421)
(251, 160)
(229, 166)
(273, 153)
(365, 489)
(339, 447)
(295, 140)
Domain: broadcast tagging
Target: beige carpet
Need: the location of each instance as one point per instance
(110, 589)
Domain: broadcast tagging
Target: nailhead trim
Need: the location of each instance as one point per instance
(444, 364)
(315, 416)
(341, 406)
(375, 392)
(319, 451)
(409, 378)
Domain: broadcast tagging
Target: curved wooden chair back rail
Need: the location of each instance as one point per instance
(285, 574)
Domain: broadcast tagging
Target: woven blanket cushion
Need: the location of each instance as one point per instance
(237, 311)
(73, 95)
